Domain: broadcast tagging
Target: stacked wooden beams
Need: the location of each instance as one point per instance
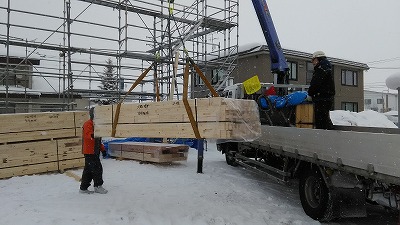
(149, 152)
(216, 118)
(33, 143)
(305, 116)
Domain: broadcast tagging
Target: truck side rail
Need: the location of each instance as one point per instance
(382, 130)
(372, 155)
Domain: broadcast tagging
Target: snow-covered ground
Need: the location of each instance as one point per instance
(153, 194)
(173, 194)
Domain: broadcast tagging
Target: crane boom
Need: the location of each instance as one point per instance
(278, 61)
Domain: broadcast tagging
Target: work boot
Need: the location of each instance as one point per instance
(100, 190)
(85, 191)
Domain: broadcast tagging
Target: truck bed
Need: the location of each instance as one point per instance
(372, 154)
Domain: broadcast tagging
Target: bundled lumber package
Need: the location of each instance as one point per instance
(40, 126)
(216, 118)
(33, 143)
(149, 152)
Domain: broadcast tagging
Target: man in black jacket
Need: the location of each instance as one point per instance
(322, 90)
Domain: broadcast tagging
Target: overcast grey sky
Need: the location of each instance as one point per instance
(366, 31)
(358, 30)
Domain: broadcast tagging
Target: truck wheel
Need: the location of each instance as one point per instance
(315, 196)
(230, 158)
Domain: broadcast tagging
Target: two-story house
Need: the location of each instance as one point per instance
(348, 75)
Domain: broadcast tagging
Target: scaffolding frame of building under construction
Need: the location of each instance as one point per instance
(74, 39)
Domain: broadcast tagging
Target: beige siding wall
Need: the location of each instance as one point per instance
(349, 93)
(254, 65)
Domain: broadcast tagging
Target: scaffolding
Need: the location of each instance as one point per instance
(74, 39)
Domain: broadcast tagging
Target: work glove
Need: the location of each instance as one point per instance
(105, 155)
(309, 98)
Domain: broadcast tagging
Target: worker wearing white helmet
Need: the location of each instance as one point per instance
(322, 90)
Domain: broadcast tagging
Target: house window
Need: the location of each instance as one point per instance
(350, 106)
(349, 78)
(379, 101)
(292, 70)
(197, 80)
(217, 75)
(368, 101)
(310, 71)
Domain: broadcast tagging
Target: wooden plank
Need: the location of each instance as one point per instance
(171, 158)
(302, 125)
(217, 130)
(136, 156)
(218, 118)
(147, 157)
(208, 110)
(27, 153)
(174, 130)
(71, 163)
(36, 121)
(305, 114)
(80, 118)
(28, 170)
(70, 148)
(149, 152)
(114, 149)
(24, 136)
(155, 149)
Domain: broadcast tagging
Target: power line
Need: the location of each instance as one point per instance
(384, 68)
(384, 60)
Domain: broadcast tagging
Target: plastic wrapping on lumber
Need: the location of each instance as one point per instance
(216, 118)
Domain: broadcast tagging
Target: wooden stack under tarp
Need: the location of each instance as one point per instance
(216, 118)
(149, 152)
(305, 115)
(33, 143)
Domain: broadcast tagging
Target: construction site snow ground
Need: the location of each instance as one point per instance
(163, 194)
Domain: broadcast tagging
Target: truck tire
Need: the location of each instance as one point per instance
(315, 196)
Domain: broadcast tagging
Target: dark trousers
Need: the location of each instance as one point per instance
(322, 119)
(93, 170)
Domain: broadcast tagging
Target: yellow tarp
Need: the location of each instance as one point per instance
(252, 85)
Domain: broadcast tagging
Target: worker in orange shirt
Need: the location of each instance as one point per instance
(91, 148)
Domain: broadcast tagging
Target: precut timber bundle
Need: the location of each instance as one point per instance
(149, 152)
(216, 118)
(32, 143)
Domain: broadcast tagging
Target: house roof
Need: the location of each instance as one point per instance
(304, 55)
(17, 60)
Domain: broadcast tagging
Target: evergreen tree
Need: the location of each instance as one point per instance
(109, 82)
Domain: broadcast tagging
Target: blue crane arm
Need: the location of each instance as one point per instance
(278, 60)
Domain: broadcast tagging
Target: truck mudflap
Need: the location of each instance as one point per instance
(349, 202)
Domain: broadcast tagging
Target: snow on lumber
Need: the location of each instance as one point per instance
(216, 118)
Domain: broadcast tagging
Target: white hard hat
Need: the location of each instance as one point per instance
(318, 54)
